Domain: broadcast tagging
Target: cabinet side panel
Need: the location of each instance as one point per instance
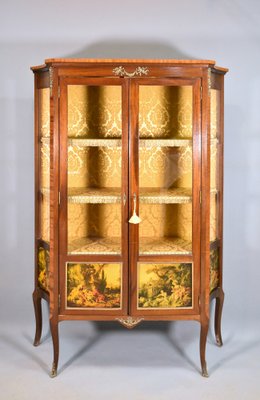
(43, 190)
(216, 180)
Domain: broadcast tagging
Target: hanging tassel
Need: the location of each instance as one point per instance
(134, 219)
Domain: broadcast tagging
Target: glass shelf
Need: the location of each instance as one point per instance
(164, 245)
(117, 142)
(94, 142)
(113, 195)
(94, 195)
(95, 245)
(112, 245)
(174, 142)
(165, 196)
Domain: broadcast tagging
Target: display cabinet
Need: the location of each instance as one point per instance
(129, 192)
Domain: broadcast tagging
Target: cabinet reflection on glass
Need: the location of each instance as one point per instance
(93, 285)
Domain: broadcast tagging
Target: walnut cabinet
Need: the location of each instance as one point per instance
(128, 192)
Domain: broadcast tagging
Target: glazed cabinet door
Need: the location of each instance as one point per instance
(164, 224)
(93, 196)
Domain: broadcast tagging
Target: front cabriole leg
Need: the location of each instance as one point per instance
(37, 302)
(203, 341)
(55, 342)
(218, 315)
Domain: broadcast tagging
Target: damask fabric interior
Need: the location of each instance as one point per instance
(94, 168)
(94, 171)
(165, 113)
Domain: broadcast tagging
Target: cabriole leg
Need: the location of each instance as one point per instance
(218, 316)
(55, 342)
(203, 340)
(38, 316)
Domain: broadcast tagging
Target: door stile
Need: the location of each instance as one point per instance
(125, 195)
(133, 189)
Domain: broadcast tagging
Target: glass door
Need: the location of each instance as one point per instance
(165, 196)
(94, 192)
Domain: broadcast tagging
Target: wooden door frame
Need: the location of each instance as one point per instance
(66, 313)
(196, 195)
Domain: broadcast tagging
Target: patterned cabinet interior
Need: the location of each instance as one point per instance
(94, 169)
(165, 169)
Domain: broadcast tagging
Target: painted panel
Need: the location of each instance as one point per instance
(167, 286)
(43, 268)
(94, 285)
(214, 269)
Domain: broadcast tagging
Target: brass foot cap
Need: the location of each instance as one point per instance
(53, 372)
(205, 373)
(219, 341)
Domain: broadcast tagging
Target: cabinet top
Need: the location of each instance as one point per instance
(82, 61)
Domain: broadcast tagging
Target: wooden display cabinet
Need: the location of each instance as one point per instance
(129, 192)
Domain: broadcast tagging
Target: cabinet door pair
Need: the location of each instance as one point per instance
(130, 160)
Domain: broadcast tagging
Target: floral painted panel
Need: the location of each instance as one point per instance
(93, 285)
(165, 285)
(43, 268)
(214, 269)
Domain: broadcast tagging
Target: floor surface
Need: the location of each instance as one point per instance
(104, 360)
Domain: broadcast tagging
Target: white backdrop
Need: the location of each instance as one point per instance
(225, 30)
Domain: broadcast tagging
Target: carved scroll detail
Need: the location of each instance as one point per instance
(139, 71)
(129, 322)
